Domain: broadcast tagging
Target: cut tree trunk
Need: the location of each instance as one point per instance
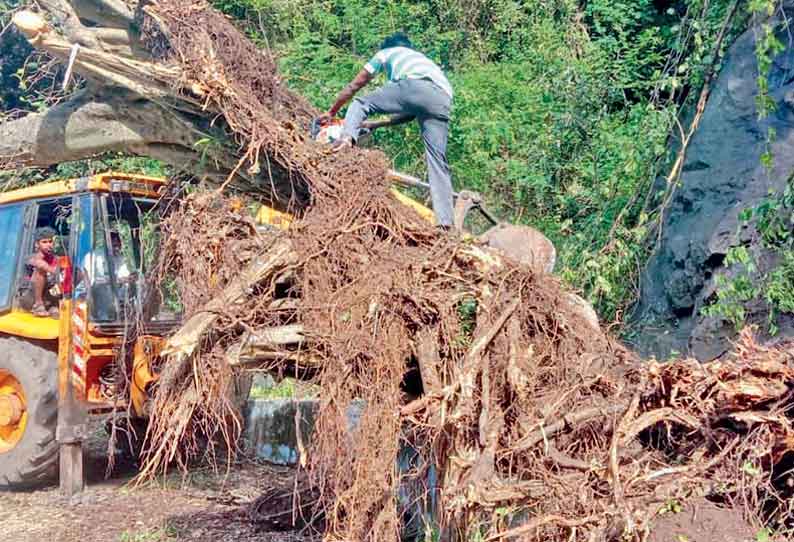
(90, 124)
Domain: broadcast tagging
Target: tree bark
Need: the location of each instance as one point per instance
(112, 24)
(106, 13)
(88, 125)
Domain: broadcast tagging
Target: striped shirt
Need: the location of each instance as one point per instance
(403, 63)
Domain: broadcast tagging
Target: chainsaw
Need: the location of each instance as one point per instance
(521, 243)
(331, 131)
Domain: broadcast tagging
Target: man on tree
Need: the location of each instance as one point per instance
(417, 89)
(43, 269)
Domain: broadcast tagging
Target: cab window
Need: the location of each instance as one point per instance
(11, 221)
(117, 245)
(133, 241)
(93, 280)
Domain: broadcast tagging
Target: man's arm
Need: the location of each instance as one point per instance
(358, 82)
(39, 264)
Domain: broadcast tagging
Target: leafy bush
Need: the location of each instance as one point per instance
(776, 226)
(733, 293)
(774, 290)
(559, 117)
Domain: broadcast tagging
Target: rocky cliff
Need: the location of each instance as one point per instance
(722, 178)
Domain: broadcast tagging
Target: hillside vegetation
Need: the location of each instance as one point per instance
(564, 112)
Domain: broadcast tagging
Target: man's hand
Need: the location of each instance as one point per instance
(38, 263)
(325, 118)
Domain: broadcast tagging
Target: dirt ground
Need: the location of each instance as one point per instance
(210, 506)
(204, 506)
(703, 521)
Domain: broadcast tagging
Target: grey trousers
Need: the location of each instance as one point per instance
(430, 105)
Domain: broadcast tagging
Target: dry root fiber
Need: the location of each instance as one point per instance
(533, 424)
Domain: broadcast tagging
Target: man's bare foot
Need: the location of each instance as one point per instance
(39, 310)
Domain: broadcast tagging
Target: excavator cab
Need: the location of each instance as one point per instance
(54, 370)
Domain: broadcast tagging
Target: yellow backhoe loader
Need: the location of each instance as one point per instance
(57, 369)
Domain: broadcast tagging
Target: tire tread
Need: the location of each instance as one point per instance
(34, 461)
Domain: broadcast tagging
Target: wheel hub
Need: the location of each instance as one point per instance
(13, 411)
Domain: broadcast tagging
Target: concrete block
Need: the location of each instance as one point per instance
(271, 435)
(270, 428)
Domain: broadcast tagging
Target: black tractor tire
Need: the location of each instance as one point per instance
(33, 462)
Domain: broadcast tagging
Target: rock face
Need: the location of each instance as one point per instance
(722, 177)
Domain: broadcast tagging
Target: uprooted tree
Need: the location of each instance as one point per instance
(128, 100)
(524, 419)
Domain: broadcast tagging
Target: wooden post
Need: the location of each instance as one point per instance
(71, 467)
(70, 434)
(72, 414)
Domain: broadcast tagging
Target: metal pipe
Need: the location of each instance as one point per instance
(407, 180)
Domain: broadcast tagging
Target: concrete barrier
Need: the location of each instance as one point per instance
(271, 431)
(270, 428)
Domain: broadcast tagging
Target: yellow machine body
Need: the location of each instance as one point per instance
(91, 350)
(83, 348)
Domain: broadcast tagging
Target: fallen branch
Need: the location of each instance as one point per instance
(567, 421)
(566, 462)
(184, 342)
(471, 364)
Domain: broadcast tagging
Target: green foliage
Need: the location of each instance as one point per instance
(767, 46)
(560, 116)
(120, 163)
(562, 111)
(467, 315)
(283, 390)
(779, 291)
(148, 535)
(14, 52)
(29, 79)
(672, 506)
(288, 388)
(734, 292)
(776, 218)
(775, 225)
(633, 35)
